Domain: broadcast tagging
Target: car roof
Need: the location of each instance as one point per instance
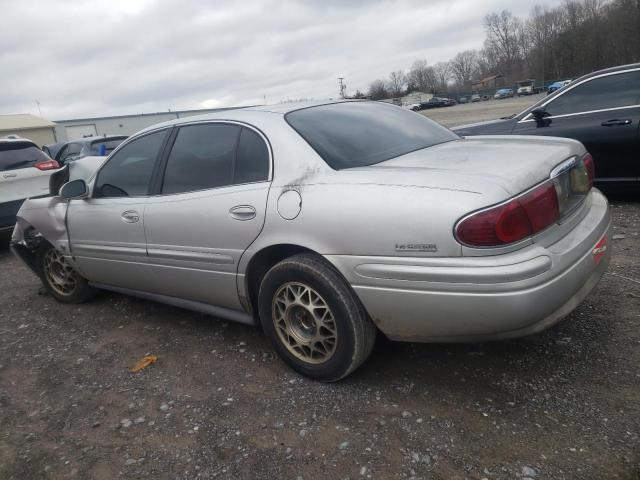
(17, 140)
(97, 139)
(240, 114)
(619, 68)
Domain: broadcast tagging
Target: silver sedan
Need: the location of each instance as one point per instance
(328, 223)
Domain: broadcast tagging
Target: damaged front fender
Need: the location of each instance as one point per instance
(37, 220)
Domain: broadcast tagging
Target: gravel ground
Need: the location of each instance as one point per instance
(480, 111)
(217, 404)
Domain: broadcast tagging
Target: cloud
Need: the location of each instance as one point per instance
(93, 58)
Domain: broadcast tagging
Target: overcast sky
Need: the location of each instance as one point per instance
(92, 58)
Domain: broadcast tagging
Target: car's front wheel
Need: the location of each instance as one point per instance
(313, 319)
(60, 279)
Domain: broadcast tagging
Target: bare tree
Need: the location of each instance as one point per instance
(397, 83)
(442, 73)
(463, 66)
(503, 31)
(378, 90)
(576, 37)
(421, 76)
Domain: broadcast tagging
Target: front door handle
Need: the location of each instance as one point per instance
(616, 122)
(242, 212)
(130, 216)
(9, 175)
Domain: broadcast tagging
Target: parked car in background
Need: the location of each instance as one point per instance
(503, 93)
(53, 149)
(476, 98)
(601, 110)
(24, 173)
(557, 86)
(412, 106)
(242, 214)
(434, 102)
(526, 87)
(84, 147)
(463, 100)
(449, 102)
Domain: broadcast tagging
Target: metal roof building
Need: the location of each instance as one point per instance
(118, 125)
(36, 129)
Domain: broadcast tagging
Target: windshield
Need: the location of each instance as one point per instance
(357, 134)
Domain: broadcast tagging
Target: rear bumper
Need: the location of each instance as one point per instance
(482, 298)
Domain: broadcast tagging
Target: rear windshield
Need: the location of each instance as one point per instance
(109, 146)
(357, 134)
(15, 155)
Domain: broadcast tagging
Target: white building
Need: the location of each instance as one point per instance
(118, 125)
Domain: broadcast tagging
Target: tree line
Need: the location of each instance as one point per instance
(577, 37)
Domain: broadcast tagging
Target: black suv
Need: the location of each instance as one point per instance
(601, 109)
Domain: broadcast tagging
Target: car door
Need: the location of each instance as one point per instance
(106, 231)
(603, 113)
(69, 153)
(210, 206)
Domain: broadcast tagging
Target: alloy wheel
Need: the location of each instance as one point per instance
(304, 322)
(59, 274)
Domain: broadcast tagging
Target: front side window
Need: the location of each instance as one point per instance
(202, 157)
(357, 134)
(612, 91)
(128, 172)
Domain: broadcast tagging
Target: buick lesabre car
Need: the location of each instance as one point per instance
(328, 223)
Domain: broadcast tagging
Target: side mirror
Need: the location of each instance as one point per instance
(540, 115)
(74, 189)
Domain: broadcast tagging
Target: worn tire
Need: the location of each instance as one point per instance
(355, 333)
(81, 291)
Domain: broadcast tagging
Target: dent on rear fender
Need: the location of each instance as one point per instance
(47, 217)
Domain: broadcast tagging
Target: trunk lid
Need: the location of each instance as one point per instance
(514, 163)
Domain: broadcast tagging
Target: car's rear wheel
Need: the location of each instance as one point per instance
(313, 319)
(60, 279)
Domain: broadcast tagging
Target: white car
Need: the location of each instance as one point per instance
(24, 173)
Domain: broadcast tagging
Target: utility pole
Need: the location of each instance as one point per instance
(343, 87)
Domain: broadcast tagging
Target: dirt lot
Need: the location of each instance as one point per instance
(561, 405)
(480, 111)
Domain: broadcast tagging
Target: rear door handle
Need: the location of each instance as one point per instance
(242, 212)
(616, 122)
(130, 216)
(9, 175)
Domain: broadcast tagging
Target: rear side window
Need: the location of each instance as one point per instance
(612, 91)
(202, 157)
(356, 134)
(16, 155)
(252, 161)
(128, 172)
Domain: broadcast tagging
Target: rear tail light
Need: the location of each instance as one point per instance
(47, 165)
(532, 212)
(512, 221)
(590, 166)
